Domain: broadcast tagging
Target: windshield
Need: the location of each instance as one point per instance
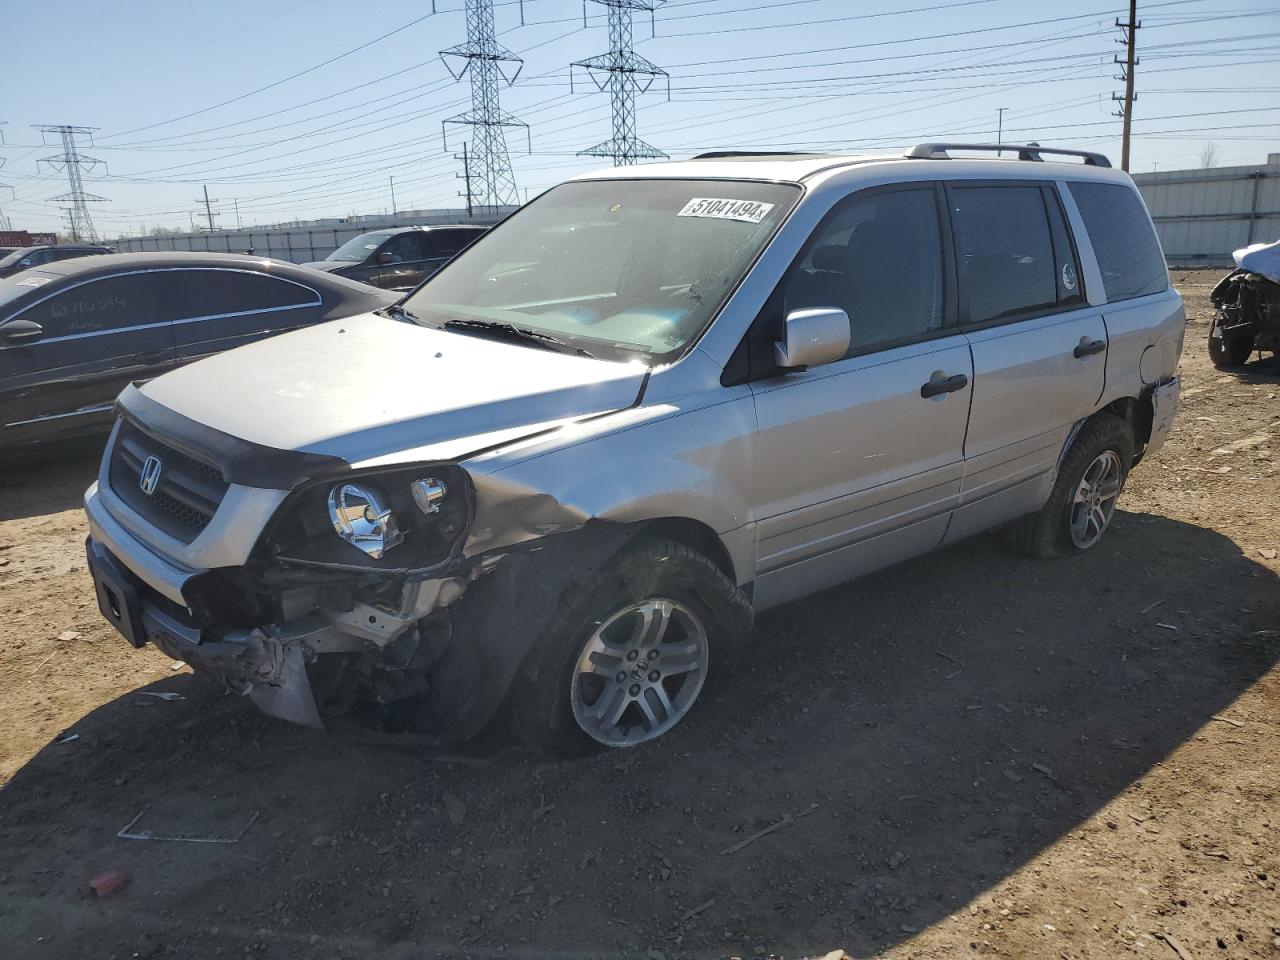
(9, 259)
(614, 267)
(359, 248)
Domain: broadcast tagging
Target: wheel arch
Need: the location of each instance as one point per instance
(695, 535)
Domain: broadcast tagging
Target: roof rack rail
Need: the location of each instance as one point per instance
(728, 154)
(1031, 151)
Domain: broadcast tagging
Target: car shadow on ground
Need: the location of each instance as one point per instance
(1259, 370)
(48, 482)
(911, 739)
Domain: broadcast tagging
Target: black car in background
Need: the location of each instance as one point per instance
(398, 258)
(24, 258)
(74, 334)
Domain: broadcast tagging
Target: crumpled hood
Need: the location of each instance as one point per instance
(368, 387)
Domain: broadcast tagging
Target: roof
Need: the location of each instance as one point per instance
(798, 167)
(114, 262)
(389, 231)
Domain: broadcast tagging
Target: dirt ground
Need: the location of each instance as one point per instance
(969, 754)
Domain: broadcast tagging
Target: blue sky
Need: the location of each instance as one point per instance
(785, 74)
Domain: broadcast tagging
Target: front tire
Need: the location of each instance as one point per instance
(627, 654)
(1083, 501)
(1227, 353)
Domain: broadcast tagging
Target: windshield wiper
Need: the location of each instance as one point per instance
(511, 331)
(397, 312)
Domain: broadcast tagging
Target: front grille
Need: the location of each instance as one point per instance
(186, 495)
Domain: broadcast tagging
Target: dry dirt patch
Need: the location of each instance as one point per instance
(969, 754)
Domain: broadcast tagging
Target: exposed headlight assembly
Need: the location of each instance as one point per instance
(403, 518)
(359, 518)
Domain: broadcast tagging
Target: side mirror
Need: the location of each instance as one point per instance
(24, 262)
(21, 331)
(813, 337)
(384, 258)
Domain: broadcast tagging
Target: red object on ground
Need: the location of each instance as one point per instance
(105, 884)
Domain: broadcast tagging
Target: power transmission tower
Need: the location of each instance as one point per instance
(488, 63)
(625, 73)
(73, 162)
(208, 209)
(465, 177)
(1129, 30)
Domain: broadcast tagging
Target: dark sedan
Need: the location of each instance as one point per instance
(74, 334)
(24, 258)
(399, 258)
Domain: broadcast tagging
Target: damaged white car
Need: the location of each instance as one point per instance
(558, 479)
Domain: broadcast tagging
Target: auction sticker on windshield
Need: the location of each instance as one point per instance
(749, 211)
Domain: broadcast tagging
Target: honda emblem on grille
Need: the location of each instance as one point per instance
(149, 479)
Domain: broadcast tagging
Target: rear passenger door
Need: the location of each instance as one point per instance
(1039, 349)
(97, 337)
(213, 310)
(858, 462)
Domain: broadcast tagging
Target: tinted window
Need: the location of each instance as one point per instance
(1123, 240)
(403, 249)
(108, 304)
(204, 293)
(878, 258)
(1005, 251)
(445, 243)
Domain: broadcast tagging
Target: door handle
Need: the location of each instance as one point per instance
(1087, 348)
(939, 384)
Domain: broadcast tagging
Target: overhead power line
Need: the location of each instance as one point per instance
(276, 83)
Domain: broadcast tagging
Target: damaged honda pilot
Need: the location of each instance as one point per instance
(558, 479)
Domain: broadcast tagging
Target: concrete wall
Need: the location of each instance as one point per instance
(1203, 215)
(298, 242)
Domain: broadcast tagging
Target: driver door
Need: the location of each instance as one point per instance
(859, 462)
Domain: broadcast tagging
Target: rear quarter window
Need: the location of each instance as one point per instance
(1123, 240)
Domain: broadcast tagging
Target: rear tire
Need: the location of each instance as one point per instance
(667, 604)
(1082, 502)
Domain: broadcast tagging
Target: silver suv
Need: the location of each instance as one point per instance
(561, 476)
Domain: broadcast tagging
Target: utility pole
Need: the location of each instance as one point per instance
(1000, 129)
(486, 61)
(465, 177)
(208, 209)
(393, 196)
(625, 73)
(1131, 61)
(73, 163)
(236, 203)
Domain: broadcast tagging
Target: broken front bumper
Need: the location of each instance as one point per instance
(270, 670)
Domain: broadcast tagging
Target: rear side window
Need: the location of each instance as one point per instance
(209, 293)
(444, 243)
(100, 306)
(1123, 240)
(1005, 251)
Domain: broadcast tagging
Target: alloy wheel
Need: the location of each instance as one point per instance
(639, 672)
(1094, 503)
